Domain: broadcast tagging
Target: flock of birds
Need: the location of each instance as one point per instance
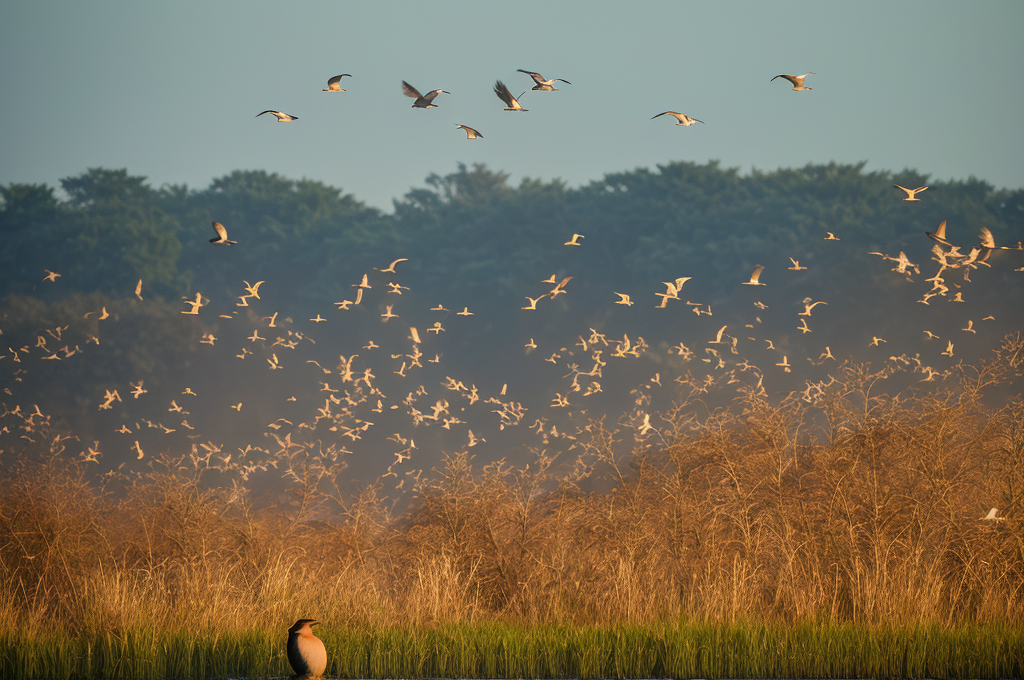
(352, 394)
(542, 84)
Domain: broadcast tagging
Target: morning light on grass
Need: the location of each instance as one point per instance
(336, 341)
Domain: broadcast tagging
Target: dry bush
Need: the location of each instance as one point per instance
(842, 503)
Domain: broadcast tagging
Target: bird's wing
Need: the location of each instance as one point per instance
(410, 91)
(537, 78)
(564, 81)
(790, 78)
(503, 94)
(664, 113)
(941, 231)
(757, 272)
(221, 231)
(909, 192)
(267, 111)
(986, 238)
(430, 95)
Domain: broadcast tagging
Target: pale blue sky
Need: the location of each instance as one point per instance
(170, 90)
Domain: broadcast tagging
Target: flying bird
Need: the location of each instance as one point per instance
(623, 300)
(423, 101)
(796, 265)
(253, 290)
(391, 267)
(280, 115)
(222, 235)
(575, 241)
(911, 193)
(798, 81)
(544, 85)
(511, 103)
(940, 234)
(196, 304)
(681, 117)
(334, 84)
(754, 276)
(470, 132)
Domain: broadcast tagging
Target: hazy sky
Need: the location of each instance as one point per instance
(170, 90)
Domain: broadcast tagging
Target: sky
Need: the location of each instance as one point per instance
(171, 90)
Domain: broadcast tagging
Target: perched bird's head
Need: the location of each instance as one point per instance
(303, 625)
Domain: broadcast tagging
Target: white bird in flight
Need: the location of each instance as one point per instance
(391, 267)
(939, 234)
(911, 193)
(511, 103)
(334, 84)
(574, 241)
(681, 117)
(470, 132)
(541, 84)
(754, 276)
(280, 115)
(222, 235)
(798, 81)
(423, 101)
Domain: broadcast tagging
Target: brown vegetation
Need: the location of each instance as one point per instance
(838, 504)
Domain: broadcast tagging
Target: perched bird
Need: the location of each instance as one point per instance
(911, 193)
(798, 81)
(423, 101)
(681, 117)
(511, 103)
(280, 115)
(754, 276)
(470, 132)
(222, 235)
(334, 84)
(541, 84)
(306, 652)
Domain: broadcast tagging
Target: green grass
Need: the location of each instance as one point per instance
(498, 650)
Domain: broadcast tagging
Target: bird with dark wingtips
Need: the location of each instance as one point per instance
(681, 117)
(306, 652)
(798, 81)
(222, 235)
(939, 234)
(544, 85)
(281, 116)
(470, 132)
(423, 101)
(511, 103)
(334, 84)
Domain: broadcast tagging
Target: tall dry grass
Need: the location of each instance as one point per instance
(839, 504)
